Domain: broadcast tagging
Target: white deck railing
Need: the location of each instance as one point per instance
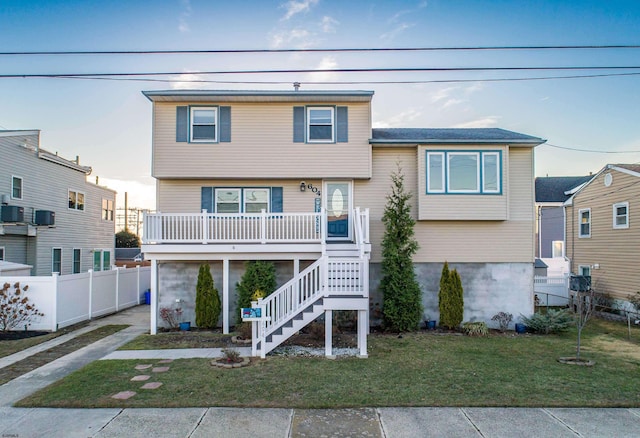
(245, 227)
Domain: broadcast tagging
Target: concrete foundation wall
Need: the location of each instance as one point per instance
(489, 288)
(177, 280)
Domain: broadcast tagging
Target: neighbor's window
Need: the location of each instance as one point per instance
(76, 260)
(107, 209)
(203, 124)
(584, 223)
(584, 270)
(1, 253)
(256, 200)
(557, 249)
(16, 187)
(320, 121)
(621, 215)
(464, 172)
(76, 200)
(106, 260)
(227, 200)
(97, 260)
(56, 260)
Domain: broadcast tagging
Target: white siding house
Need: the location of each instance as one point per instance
(52, 218)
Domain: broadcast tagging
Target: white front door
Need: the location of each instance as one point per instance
(338, 205)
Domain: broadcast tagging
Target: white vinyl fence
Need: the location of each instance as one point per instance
(68, 299)
(551, 291)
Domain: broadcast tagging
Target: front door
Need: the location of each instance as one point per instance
(338, 206)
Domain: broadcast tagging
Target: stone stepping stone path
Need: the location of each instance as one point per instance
(125, 395)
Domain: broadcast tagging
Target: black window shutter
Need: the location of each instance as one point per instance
(182, 124)
(276, 200)
(207, 199)
(342, 124)
(225, 123)
(298, 124)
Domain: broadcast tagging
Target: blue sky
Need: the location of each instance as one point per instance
(108, 123)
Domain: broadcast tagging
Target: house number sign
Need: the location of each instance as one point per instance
(314, 189)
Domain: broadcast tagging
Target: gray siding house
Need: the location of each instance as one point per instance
(51, 218)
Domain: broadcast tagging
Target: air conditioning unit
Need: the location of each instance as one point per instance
(580, 283)
(12, 213)
(45, 217)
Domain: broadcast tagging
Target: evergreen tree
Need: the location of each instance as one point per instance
(208, 306)
(402, 297)
(258, 276)
(450, 298)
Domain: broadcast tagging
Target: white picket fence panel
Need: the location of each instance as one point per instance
(69, 299)
(551, 291)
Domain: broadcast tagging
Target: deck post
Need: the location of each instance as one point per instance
(225, 296)
(363, 323)
(154, 298)
(328, 341)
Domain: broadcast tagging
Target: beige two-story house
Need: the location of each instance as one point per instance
(301, 178)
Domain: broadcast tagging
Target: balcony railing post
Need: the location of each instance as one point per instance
(263, 226)
(205, 228)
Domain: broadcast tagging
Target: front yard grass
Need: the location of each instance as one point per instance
(420, 369)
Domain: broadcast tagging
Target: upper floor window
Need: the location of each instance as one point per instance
(76, 200)
(204, 127)
(16, 187)
(464, 172)
(320, 124)
(584, 223)
(107, 209)
(621, 215)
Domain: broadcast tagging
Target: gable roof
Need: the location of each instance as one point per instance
(554, 188)
(630, 169)
(452, 136)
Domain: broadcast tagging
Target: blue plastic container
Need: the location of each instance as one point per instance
(147, 297)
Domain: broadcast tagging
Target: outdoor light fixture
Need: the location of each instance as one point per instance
(303, 186)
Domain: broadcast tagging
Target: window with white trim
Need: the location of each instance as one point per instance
(76, 200)
(204, 126)
(621, 215)
(16, 187)
(77, 253)
(1, 253)
(584, 270)
(320, 124)
(584, 223)
(557, 249)
(56, 260)
(107, 209)
(101, 260)
(242, 200)
(464, 172)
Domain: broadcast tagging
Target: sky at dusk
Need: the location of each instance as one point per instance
(107, 122)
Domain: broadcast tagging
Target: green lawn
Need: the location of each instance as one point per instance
(8, 347)
(419, 369)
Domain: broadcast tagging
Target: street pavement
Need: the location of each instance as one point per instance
(236, 422)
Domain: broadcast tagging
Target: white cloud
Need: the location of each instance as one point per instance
(388, 36)
(186, 81)
(485, 122)
(295, 37)
(452, 102)
(293, 7)
(183, 26)
(442, 94)
(329, 24)
(478, 86)
(400, 120)
(326, 63)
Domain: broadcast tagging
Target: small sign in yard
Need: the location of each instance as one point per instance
(251, 314)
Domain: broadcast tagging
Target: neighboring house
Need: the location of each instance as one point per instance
(551, 193)
(603, 239)
(51, 217)
(301, 178)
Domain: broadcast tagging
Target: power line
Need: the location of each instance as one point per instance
(326, 50)
(321, 70)
(590, 150)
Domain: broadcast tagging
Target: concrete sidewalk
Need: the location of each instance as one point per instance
(232, 422)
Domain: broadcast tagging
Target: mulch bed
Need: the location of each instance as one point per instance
(44, 357)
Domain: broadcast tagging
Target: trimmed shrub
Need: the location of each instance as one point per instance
(259, 278)
(208, 305)
(450, 298)
(553, 321)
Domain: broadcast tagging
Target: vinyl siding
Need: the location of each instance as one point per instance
(45, 187)
(455, 241)
(617, 251)
(183, 196)
(261, 137)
